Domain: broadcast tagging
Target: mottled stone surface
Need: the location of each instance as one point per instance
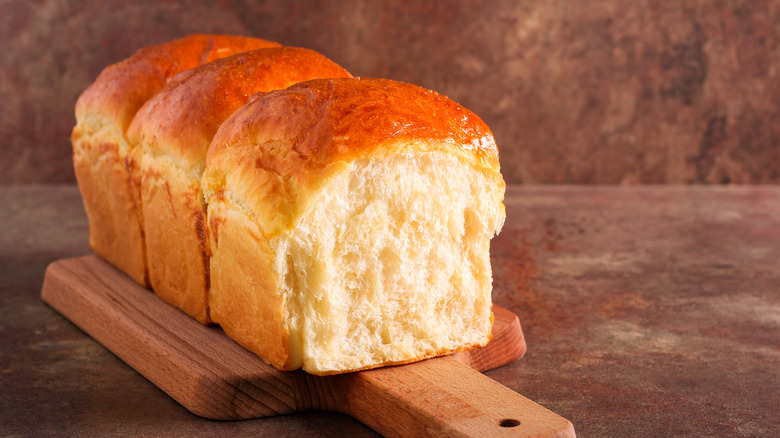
(604, 91)
(648, 311)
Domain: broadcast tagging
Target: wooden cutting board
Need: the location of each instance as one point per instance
(213, 377)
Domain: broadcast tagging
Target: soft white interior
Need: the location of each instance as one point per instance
(392, 263)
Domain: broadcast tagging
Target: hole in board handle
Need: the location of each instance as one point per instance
(508, 422)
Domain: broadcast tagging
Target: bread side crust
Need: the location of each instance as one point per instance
(245, 295)
(103, 176)
(176, 242)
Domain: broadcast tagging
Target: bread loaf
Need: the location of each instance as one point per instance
(332, 225)
(104, 163)
(349, 222)
(172, 131)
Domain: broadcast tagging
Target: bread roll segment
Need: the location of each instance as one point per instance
(104, 163)
(173, 131)
(349, 224)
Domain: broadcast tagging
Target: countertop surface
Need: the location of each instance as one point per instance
(648, 311)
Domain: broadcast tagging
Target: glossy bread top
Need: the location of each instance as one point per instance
(181, 120)
(122, 88)
(320, 121)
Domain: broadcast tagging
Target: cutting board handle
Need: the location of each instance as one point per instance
(444, 397)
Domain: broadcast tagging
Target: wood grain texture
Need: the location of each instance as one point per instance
(442, 397)
(214, 377)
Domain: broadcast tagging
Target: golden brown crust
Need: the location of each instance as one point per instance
(176, 251)
(105, 169)
(122, 88)
(181, 120)
(282, 144)
(115, 233)
(173, 130)
(250, 307)
(343, 119)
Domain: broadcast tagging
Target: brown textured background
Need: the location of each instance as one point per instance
(603, 91)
